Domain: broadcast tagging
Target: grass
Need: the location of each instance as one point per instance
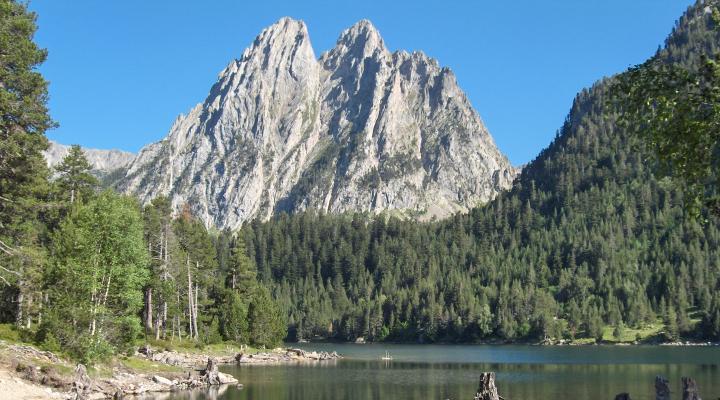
(9, 333)
(146, 366)
(192, 347)
(630, 335)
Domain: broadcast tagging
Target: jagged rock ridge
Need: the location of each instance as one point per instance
(102, 161)
(359, 129)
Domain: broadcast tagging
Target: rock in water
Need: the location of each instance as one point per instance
(690, 389)
(359, 129)
(662, 388)
(486, 389)
(226, 379)
(623, 396)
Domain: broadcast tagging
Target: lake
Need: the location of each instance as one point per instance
(441, 372)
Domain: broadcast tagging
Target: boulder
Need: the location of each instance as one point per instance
(163, 381)
(226, 379)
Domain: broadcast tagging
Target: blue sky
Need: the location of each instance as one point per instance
(121, 71)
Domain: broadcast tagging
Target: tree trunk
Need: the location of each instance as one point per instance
(486, 388)
(28, 317)
(690, 389)
(211, 373)
(662, 388)
(190, 297)
(195, 312)
(20, 300)
(148, 310)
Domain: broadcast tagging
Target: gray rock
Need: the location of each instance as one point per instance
(163, 381)
(226, 379)
(102, 161)
(359, 129)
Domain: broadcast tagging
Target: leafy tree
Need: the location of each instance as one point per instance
(95, 281)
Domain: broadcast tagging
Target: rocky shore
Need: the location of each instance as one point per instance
(279, 355)
(40, 373)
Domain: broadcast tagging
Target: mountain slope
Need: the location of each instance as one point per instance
(588, 236)
(359, 129)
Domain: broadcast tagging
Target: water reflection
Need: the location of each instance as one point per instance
(442, 372)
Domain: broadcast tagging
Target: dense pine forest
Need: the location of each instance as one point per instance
(591, 236)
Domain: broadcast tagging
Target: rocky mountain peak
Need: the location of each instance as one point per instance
(356, 44)
(360, 129)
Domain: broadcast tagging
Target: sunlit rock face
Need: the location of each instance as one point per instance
(358, 129)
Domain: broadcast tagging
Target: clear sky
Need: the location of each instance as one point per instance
(121, 71)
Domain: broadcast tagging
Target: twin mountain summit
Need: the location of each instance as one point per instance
(359, 128)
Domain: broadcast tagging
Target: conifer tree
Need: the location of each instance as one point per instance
(74, 178)
(23, 173)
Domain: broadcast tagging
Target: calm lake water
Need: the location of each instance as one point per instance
(441, 372)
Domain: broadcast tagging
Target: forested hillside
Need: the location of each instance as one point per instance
(589, 236)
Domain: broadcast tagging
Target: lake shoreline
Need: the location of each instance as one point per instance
(42, 374)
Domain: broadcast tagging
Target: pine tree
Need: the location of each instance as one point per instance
(23, 172)
(267, 325)
(74, 178)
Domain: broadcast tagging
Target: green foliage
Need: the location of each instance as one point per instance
(675, 107)
(590, 235)
(234, 318)
(23, 172)
(96, 278)
(74, 178)
(267, 325)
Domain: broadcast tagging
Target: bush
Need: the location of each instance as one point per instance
(50, 343)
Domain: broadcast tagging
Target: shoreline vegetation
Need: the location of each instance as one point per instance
(32, 373)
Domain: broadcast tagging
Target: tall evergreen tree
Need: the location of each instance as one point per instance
(23, 172)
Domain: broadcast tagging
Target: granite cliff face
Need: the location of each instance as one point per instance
(359, 129)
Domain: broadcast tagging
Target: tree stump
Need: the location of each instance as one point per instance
(662, 388)
(82, 383)
(690, 389)
(210, 375)
(486, 389)
(623, 396)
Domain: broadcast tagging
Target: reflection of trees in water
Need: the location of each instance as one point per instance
(398, 380)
